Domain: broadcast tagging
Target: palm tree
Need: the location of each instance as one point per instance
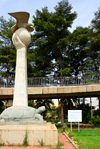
(48, 103)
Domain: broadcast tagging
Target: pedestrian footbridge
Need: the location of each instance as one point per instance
(55, 92)
(43, 89)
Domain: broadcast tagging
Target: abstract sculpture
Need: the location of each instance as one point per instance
(20, 113)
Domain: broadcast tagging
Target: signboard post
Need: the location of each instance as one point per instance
(74, 116)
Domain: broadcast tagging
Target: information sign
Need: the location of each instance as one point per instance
(74, 115)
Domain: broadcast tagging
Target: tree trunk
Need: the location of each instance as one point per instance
(99, 104)
(70, 103)
(79, 102)
(61, 83)
(91, 106)
(59, 111)
(83, 102)
(82, 67)
(8, 67)
(62, 113)
(7, 77)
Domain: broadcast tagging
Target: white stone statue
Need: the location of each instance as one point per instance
(20, 113)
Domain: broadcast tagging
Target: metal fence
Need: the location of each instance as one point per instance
(54, 81)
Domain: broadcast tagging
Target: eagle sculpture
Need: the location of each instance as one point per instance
(21, 21)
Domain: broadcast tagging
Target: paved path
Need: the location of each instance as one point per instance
(62, 138)
(29, 147)
(65, 141)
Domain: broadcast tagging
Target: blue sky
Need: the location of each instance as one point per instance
(84, 8)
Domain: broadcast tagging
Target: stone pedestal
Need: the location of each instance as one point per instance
(14, 134)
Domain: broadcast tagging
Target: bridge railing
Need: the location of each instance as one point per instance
(54, 81)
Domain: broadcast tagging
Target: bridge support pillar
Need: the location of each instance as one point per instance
(10, 102)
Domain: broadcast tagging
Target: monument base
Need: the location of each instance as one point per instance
(15, 134)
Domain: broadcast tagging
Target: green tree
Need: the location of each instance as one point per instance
(90, 75)
(95, 42)
(51, 40)
(44, 102)
(86, 114)
(95, 39)
(7, 50)
(79, 49)
(1, 106)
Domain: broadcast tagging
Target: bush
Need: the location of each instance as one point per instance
(96, 112)
(52, 120)
(71, 134)
(95, 120)
(64, 128)
(59, 125)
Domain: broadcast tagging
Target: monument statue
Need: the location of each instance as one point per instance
(20, 112)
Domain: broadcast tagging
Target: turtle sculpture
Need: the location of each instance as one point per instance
(22, 115)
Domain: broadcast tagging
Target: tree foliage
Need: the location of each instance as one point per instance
(79, 50)
(52, 38)
(7, 50)
(95, 39)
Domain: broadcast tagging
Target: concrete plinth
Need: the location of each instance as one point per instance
(14, 134)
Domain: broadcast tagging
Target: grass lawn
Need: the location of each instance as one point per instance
(88, 138)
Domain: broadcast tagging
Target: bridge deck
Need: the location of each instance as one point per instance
(55, 92)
